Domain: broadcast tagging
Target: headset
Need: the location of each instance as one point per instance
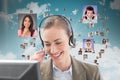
(71, 40)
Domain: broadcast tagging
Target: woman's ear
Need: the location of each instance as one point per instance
(71, 34)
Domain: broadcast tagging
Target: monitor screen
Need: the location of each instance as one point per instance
(19, 70)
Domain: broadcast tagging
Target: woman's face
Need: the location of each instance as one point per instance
(90, 13)
(56, 43)
(27, 22)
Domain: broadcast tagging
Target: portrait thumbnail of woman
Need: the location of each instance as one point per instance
(89, 14)
(27, 25)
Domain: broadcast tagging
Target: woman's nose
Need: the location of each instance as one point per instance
(53, 49)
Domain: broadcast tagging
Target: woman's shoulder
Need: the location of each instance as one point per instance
(84, 65)
(44, 65)
(35, 33)
(46, 68)
(89, 66)
(91, 70)
(19, 32)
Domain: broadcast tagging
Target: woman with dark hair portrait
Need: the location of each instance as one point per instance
(56, 35)
(27, 27)
(89, 15)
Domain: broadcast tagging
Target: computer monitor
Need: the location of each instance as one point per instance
(19, 70)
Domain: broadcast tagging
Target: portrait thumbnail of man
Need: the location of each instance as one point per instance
(88, 45)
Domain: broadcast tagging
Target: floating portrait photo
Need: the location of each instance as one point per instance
(88, 45)
(89, 14)
(27, 25)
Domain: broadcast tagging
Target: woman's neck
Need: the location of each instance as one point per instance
(26, 32)
(65, 65)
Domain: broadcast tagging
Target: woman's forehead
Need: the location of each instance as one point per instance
(54, 28)
(90, 11)
(53, 33)
(27, 18)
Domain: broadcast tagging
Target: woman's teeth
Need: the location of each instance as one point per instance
(57, 55)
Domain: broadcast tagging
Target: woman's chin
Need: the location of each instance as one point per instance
(58, 57)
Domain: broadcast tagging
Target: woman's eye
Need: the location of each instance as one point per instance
(58, 43)
(25, 20)
(47, 44)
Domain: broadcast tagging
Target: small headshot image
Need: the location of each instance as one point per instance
(88, 45)
(90, 34)
(89, 14)
(27, 25)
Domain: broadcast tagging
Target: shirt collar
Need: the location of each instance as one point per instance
(55, 68)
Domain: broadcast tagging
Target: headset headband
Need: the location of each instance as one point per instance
(71, 42)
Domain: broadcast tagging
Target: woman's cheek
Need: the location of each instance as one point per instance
(47, 49)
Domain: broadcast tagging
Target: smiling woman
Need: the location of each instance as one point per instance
(27, 27)
(57, 37)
